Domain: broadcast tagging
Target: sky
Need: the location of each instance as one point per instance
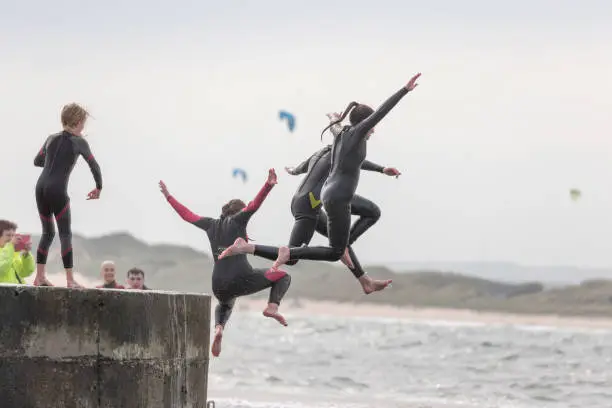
(513, 109)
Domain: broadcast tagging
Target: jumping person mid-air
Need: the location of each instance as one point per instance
(57, 157)
(309, 217)
(348, 153)
(235, 277)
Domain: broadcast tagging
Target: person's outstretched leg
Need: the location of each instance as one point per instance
(256, 280)
(346, 258)
(338, 229)
(339, 216)
(223, 311)
(351, 262)
(280, 286)
(46, 238)
(302, 232)
(64, 227)
(369, 214)
(368, 284)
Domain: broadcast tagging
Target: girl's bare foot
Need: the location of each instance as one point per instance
(283, 256)
(370, 285)
(216, 346)
(272, 311)
(346, 259)
(42, 282)
(41, 276)
(240, 246)
(74, 284)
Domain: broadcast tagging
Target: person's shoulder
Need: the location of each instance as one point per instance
(346, 128)
(80, 144)
(316, 156)
(52, 137)
(233, 220)
(324, 150)
(80, 140)
(206, 223)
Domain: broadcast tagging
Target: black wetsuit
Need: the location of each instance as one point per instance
(234, 276)
(306, 208)
(57, 158)
(347, 155)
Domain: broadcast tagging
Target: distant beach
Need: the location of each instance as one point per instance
(323, 308)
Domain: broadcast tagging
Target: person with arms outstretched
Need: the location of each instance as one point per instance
(235, 277)
(57, 157)
(309, 217)
(348, 153)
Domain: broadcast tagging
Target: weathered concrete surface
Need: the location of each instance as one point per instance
(102, 348)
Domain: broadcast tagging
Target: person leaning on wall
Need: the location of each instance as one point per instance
(136, 279)
(107, 271)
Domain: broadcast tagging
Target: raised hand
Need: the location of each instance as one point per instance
(412, 83)
(163, 189)
(272, 180)
(333, 116)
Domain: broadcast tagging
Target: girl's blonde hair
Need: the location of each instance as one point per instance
(73, 114)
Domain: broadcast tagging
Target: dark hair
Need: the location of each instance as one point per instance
(7, 226)
(232, 207)
(358, 112)
(135, 271)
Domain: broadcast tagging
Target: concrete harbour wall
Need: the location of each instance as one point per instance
(102, 348)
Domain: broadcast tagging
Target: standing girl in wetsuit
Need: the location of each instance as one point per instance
(347, 155)
(235, 277)
(57, 157)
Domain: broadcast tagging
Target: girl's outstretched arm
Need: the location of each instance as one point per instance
(382, 111)
(184, 212)
(245, 215)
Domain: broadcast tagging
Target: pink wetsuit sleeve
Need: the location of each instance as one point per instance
(259, 198)
(183, 211)
(244, 216)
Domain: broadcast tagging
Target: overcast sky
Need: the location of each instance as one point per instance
(514, 109)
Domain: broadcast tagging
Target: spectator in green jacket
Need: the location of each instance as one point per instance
(14, 266)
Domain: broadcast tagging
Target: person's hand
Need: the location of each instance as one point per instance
(333, 116)
(163, 189)
(412, 83)
(391, 171)
(16, 240)
(93, 194)
(272, 180)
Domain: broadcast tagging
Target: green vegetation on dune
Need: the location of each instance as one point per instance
(175, 267)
